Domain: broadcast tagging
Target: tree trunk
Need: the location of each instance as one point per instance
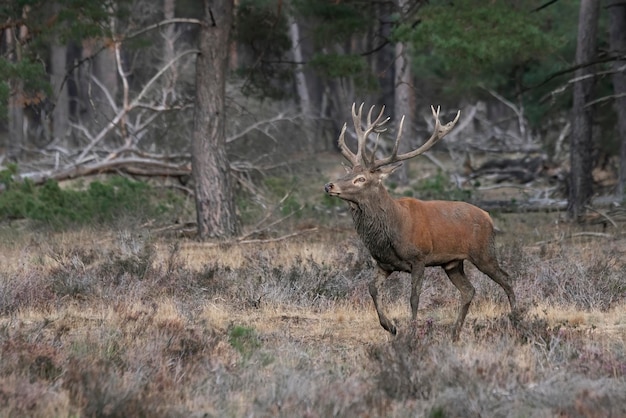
(61, 112)
(384, 66)
(617, 31)
(103, 66)
(169, 51)
(581, 147)
(215, 204)
(302, 88)
(105, 70)
(404, 100)
(17, 100)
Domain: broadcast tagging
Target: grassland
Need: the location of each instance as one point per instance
(128, 321)
(125, 323)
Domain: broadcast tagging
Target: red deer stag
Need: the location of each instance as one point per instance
(407, 234)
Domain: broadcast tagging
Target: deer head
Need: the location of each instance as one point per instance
(364, 180)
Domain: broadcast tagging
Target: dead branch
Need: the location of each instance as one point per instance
(281, 238)
(574, 80)
(519, 112)
(558, 146)
(267, 123)
(602, 214)
(128, 106)
(574, 235)
(163, 23)
(508, 206)
(271, 224)
(131, 165)
(261, 240)
(257, 228)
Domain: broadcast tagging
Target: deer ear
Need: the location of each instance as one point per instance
(388, 169)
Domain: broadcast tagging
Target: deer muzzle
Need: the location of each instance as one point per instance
(328, 187)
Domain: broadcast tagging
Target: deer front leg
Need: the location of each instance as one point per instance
(417, 278)
(381, 276)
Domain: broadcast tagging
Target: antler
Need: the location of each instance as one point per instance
(438, 132)
(377, 126)
(372, 126)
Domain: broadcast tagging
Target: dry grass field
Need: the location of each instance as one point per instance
(128, 322)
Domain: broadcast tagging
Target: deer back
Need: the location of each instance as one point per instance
(445, 230)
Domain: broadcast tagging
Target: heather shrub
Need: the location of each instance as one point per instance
(112, 323)
(587, 284)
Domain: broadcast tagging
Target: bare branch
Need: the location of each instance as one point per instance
(604, 215)
(150, 82)
(574, 235)
(262, 241)
(574, 80)
(519, 112)
(259, 229)
(106, 92)
(281, 117)
(163, 23)
(132, 165)
(128, 107)
(604, 99)
(162, 107)
(281, 238)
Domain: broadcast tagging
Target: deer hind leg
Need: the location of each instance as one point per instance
(375, 284)
(456, 274)
(495, 273)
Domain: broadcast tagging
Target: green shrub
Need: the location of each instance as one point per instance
(439, 187)
(244, 339)
(99, 202)
(284, 189)
(278, 186)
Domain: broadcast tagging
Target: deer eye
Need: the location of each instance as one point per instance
(359, 179)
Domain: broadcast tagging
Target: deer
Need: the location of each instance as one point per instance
(406, 234)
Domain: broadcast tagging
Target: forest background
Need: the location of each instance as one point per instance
(116, 87)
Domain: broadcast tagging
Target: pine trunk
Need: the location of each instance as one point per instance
(404, 105)
(581, 156)
(61, 111)
(404, 98)
(617, 30)
(215, 205)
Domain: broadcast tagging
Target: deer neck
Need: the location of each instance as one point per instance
(377, 222)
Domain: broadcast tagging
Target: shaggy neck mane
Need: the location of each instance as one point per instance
(373, 220)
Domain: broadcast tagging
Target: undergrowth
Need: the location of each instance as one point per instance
(144, 326)
(437, 187)
(99, 202)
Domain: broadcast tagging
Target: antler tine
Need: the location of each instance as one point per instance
(356, 116)
(438, 132)
(394, 151)
(374, 126)
(345, 151)
(362, 133)
(377, 125)
(352, 158)
(357, 119)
